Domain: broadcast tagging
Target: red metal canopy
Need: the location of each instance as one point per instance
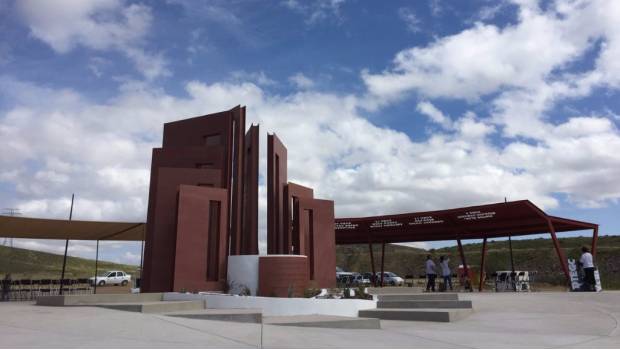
(517, 218)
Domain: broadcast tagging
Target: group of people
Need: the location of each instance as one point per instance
(586, 262)
(431, 273)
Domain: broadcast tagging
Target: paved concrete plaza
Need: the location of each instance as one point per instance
(502, 320)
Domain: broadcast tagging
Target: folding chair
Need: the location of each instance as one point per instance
(523, 281)
(83, 286)
(25, 292)
(501, 282)
(66, 286)
(36, 285)
(45, 287)
(513, 281)
(55, 286)
(15, 293)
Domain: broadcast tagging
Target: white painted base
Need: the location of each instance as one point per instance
(243, 272)
(280, 306)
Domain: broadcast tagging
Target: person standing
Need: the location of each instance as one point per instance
(430, 274)
(588, 268)
(445, 271)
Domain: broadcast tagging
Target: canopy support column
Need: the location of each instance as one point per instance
(558, 249)
(513, 276)
(512, 260)
(465, 269)
(484, 251)
(594, 240)
(141, 262)
(96, 269)
(372, 263)
(64, 259)
(382, 261)
(463, 261)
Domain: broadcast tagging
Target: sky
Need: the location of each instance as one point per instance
(385, 107)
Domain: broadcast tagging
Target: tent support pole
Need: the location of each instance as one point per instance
(458, 241)
(96, 269)
(141, 263)
(484, 251)
(462, 253)
(64, 259)
(594, 240)
(382, 261)
(556, 243)
(372, 263)
(512, 260)
(512, 265)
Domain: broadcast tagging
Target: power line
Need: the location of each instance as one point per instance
(10, 212)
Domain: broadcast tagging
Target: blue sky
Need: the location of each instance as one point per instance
(385, 107)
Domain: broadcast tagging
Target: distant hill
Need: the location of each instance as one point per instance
(530, 254)
(25, 263)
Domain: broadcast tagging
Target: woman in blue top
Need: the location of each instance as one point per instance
(445, 271)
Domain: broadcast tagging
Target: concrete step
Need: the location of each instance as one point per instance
(394, 290)
(324, 321)
(92, 299)
(417, 297)
(424, 304)
(156, 307)
(231, 315)
(430, 315)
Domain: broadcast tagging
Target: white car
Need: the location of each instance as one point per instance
(112, 278)
(360, 280)
(390, 279)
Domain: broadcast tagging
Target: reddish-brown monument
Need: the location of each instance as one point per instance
(203, 207)
(297, 224)
(203, 202)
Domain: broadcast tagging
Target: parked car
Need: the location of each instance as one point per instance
(369, 276)
(360, 280)
(343, 277)
(390, 278)
(111, 278)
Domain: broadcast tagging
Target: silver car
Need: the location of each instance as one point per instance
(390, 279)
(111, 278)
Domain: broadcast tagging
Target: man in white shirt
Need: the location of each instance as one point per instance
(430, 274)
(588, 268)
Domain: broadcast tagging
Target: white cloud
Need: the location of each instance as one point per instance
(301, 81)
(436, 7)
(408, 16)
(96, 65)
(490, 11)
(213, 10)
(97, 152)
(260, 78)
(316, 11)
(131, 258)
(435, 115)
(484, 58)
(98, 25)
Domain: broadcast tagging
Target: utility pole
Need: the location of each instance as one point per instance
(512, 260)
(64, 260)
(10, 212)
